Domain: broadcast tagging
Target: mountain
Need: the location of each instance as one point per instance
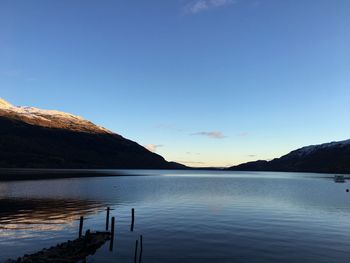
(49, 118)
(333, 157)
(35, 138)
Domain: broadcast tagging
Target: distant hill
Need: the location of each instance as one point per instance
(35, 138)
(331, 157)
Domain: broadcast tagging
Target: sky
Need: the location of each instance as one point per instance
(201, 82)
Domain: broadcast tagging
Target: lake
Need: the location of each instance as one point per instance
(185, 216)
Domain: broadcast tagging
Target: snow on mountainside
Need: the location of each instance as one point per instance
(312, 148)
(5, 104)
(49, 118)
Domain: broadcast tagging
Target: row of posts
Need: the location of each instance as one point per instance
(81, 223)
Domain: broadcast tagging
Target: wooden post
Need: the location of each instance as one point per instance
(112, 234)
(135, 255)
(132, 219)
(81, 226)
(140, 257)
(86, 237)
(107, 219)
(112, 227)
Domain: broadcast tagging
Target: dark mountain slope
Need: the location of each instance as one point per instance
(44, 140)
(331, 157)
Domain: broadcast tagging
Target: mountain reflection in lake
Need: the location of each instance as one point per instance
(27, 225)
(188, 216)
(40, 214)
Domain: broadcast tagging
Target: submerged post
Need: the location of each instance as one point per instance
(135, 255)
(112, 234)
(87, 236)
(132, 219)
(81, 226)
(107, 219)
(140, 257)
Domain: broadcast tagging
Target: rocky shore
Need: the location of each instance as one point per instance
(67, 252)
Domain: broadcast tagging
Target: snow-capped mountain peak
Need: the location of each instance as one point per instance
(49, 118)
(310, 149)
(5, 104)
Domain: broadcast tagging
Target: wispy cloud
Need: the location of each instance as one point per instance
(188, 162)
(251, 155)
(193, 153)
(198, 6)
(243, 134)
(211, 134)
(153, 147)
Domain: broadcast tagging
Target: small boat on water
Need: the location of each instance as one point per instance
(339, 179)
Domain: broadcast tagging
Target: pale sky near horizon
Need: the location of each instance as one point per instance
(203, 82)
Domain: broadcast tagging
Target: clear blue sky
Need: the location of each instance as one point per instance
(210, 82)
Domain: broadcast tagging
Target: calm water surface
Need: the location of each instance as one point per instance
(185, 216)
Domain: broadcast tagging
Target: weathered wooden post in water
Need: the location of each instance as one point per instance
(135, 255)
(140, 257)
(107, 219)
(112, 234)
(81, 226)
(132, 219)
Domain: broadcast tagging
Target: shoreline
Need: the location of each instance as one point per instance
(17, 174)
(33, 174)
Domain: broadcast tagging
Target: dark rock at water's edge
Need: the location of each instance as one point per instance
(35, 138)
(331, 157)
(70, 252)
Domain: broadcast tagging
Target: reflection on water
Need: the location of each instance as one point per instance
(185, 216)
(43, 214)
(27, 224)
